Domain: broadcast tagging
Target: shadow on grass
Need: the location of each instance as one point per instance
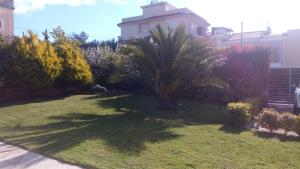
(126, 132)
(136, 121)
(283, 138)
(29, 101)
(188, 111)
(232, 130)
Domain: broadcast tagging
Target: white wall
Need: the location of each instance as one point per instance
(153, 10)
(129, 31)
(293, 48)
(157, 9)
(141, 29)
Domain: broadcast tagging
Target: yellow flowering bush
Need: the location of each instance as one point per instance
(33, 63)
(76, 70)
(239, 114)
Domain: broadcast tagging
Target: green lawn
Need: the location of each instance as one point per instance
(128, 131)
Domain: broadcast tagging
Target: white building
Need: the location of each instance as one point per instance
(284, 47)
(220, 35)
(164, 14)
(7, 19)
(285, 52)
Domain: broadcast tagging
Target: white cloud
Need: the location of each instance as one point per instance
(24, 6)
(256, 14)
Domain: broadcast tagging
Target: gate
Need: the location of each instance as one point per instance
(281, 85)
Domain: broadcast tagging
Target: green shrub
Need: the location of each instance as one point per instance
(112, 69)
(256, 104)
(76, 70)
(239, 114)
(297, 125)
(287, 121)
(169, 61)
(270, 119)
(33, 63)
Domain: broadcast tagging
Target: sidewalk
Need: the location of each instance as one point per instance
(12, 157)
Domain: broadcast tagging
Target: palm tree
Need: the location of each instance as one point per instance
(170, 61)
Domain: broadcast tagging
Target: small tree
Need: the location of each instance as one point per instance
(112, 69)
(269, 119)
(246, 70)
(81, 38)
(297, 125)
(101, 61)
(287, 122)
(33, 63)
(76, 70)
(171, 60)
(113, 44)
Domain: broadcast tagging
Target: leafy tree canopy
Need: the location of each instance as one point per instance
(170, 60)
(33, 63)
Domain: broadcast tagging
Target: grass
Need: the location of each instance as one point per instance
(128, 131)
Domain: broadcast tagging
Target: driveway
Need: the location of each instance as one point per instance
(12, 157)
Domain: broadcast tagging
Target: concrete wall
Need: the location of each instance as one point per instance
(129, 31)
(153, 10)
(157, 9)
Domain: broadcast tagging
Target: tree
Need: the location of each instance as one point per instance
(59, 35)
(113, 44)
(101, 61)
(46, 35)
(33, 63)
(76, 70)
(112, 69)
(246, 70)
(81, 38)
(171, 60)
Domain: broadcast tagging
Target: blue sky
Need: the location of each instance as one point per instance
(99, 18)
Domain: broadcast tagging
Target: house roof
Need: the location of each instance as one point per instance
(257, 35)
(224, 28)
(248, 35)
(173, 12)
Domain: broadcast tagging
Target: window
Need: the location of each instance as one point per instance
(200, 31)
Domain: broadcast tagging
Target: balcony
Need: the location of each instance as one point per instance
(7, 4)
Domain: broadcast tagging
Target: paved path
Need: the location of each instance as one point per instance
(12, 157)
